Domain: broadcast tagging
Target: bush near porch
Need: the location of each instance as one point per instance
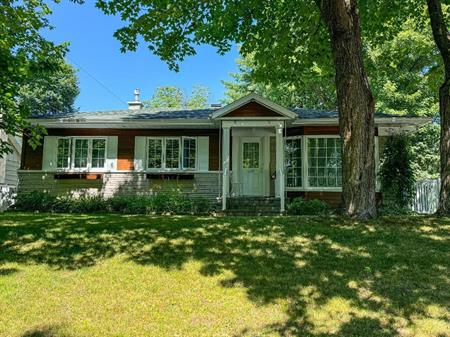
(112, 275)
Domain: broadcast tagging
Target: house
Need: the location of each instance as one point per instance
(9, 164)
(250, 148)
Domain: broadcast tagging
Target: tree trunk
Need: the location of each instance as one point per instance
(441, 37)
(356, 107)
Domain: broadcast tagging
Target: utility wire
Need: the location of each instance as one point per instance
(98, 81)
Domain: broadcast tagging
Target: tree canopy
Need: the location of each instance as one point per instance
(171, 97)
(27, 62)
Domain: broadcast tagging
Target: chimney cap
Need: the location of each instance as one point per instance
(216, 105)
(136, 104)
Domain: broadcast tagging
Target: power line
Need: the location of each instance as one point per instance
(98, 81)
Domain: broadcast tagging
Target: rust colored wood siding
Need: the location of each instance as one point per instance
(32, 159)
(252, 109)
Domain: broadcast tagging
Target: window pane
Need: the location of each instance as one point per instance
(63, 157)
(325, 169)
(250, 158)
(172, 153)
(98, 153)
(81, 153)
(154, 153)
(189, 152)
(294, 162)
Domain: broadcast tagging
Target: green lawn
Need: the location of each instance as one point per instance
(110, 275)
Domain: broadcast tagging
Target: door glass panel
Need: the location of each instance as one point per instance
(250, 155)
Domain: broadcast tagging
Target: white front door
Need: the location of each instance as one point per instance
(252, 166)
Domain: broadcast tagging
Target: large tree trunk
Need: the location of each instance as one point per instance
(441, 37)
(356, 107)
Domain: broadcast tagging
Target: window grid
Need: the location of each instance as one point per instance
(63, 153)
(189, 153)
(172, 153)
(81, 152)
(324, 163)
(294, 162)
(155, 148)
(98, 153)
(251, 155)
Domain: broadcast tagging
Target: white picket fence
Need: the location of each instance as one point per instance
(427, 196)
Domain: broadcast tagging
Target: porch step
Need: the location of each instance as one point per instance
(253, 206)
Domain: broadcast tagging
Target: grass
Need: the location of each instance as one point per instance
(111, 275)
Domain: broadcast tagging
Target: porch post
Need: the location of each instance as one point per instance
(280, 166)
(225, 166)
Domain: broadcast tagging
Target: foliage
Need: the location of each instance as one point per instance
(396, 172)
(424, 147)
(161, 203)
(190, 276)
(25, 57)
(53, 94)
(300, 206)
(170, 97)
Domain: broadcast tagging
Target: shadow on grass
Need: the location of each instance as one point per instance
(48, 331)
(396, 266)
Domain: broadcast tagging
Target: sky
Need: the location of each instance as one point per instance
(108, 77)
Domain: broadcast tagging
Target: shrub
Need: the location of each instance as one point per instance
(161, 203)
(129, 204)
(89, 204)
(35, 201)
(396, 172)
(300, 206)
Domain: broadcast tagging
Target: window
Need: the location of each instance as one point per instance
(154, 153)
(172, 153)
(294, 162)
(324, 162)
(63, 154)
(250, 155)
(98, 153)
(81, 153)
(189, 153)
(81, 150)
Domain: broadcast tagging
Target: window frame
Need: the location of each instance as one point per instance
(89, 167)
(302, 142)
(195, 168)
(164, 167)
(306, 165)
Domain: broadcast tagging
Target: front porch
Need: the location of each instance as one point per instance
(252, 156)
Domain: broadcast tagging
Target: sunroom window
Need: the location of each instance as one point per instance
(294, 162)
(324, 162)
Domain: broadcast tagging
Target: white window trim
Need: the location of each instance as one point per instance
(305, 160)
(89, 161)
(195, 168)
(180, 167)
(69, 164)
(296, 188)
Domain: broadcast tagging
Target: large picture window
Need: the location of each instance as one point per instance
(171, 153)
(324, 162)
(81, 153)
(294, 162)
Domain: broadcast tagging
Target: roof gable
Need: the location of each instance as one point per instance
(253, 106)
